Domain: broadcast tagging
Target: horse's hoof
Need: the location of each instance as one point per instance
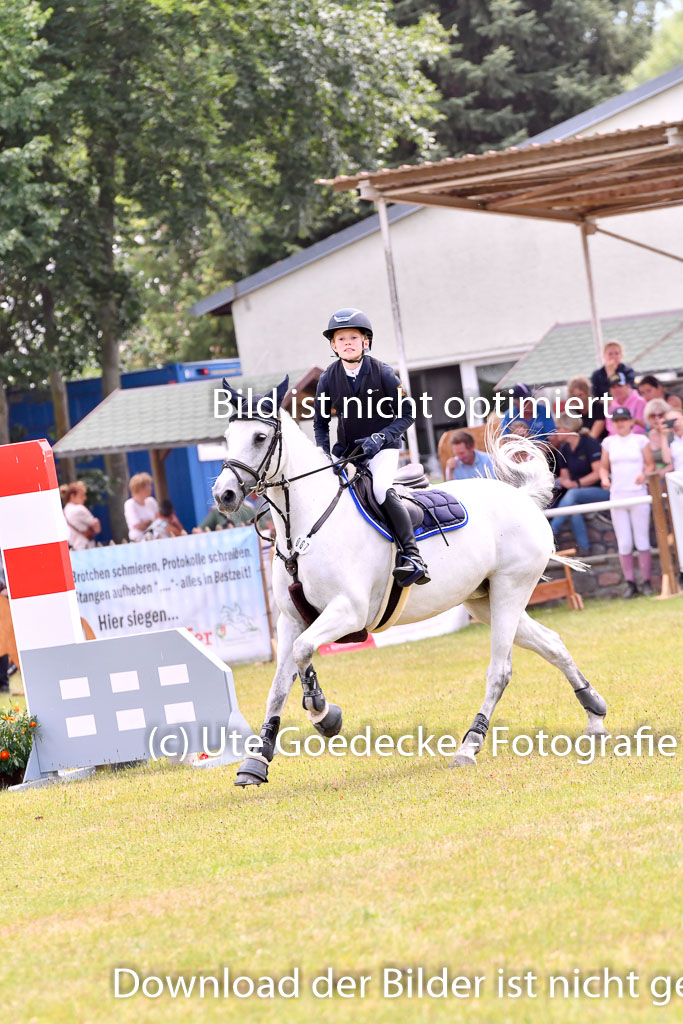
(243, 780)
(252, 772)
(596, 725)
(463, 759)
(331, 724)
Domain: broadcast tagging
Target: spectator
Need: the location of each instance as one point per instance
(534, 412)
(518, 428)
(650, 387)
(242, 516)
(674, 421)
(624, 395)
(83, 525)
(215, 520)
(592, 412)
(656, 412)
(627, 459)
(141, 508)
(579, 458)
(467, 461)
(612, 356)
(166, 523)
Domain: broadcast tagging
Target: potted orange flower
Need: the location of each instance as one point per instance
(17, 729)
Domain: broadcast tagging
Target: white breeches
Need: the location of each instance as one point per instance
(631, 525)
(383, 467)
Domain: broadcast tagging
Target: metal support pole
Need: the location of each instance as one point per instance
(641, 245)
(396, 316)
(587, 229)
(666, 563)
(157, 458)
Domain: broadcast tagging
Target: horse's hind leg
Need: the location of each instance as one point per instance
(254, 769)
(535, 637)
(549, 645)
(504, 616)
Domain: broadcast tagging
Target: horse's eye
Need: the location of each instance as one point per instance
(260, 438)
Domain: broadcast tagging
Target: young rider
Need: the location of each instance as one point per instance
(356, 373)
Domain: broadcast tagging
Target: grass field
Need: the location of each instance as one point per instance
(533, 863)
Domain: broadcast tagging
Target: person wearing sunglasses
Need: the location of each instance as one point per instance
(655, 414)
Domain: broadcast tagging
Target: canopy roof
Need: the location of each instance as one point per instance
(161, 417)
(652, 342)
(573, 180)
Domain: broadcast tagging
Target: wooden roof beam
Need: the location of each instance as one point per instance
(649, 186)
(453, 202)
(593, 175)
(672, 199)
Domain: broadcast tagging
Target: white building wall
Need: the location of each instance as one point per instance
(472, 286)
(665, 106)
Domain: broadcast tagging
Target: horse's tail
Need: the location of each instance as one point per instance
(520, 462)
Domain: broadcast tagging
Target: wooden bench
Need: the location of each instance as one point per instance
(554, 589)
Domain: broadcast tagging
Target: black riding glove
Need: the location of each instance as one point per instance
(371, 445)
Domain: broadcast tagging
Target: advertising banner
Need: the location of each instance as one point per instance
(211, 583)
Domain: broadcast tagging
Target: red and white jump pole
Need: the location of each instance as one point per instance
(33, 538)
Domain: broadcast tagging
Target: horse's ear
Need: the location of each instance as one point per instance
(235, 397)
(282, 390)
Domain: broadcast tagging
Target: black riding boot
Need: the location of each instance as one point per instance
(411, 568)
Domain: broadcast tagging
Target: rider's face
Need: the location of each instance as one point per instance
(349, 342)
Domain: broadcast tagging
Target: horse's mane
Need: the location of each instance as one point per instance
(292, 430)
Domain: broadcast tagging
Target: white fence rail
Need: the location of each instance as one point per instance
(598, 506)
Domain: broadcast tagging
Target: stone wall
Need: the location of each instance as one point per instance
(605, 578)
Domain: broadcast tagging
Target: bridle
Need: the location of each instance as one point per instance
(262, 470)
(262, 485)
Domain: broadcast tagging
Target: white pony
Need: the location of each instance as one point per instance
(491, 565)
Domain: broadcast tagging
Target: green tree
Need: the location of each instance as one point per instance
(516, 67)
(171, 284)
(24, 204)
(193, 118)
(43, 333)
(666, 49)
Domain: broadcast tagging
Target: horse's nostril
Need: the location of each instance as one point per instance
(227, 497)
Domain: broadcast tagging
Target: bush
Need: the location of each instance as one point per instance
(17, 729)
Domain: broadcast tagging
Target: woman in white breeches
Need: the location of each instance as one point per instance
(383, 467)
(626, 461)
(631, 525)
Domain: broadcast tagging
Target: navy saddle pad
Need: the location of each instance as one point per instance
(431, 511)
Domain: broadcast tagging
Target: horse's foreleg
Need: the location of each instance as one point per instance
(254, 769)
(338, 618)
(506, 612)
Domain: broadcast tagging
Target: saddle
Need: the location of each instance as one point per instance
(431, 511)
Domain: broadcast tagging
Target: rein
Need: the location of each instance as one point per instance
(262, 485)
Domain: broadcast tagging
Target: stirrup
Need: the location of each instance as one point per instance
(413, 570)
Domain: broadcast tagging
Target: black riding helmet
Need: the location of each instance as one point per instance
(349, 318)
